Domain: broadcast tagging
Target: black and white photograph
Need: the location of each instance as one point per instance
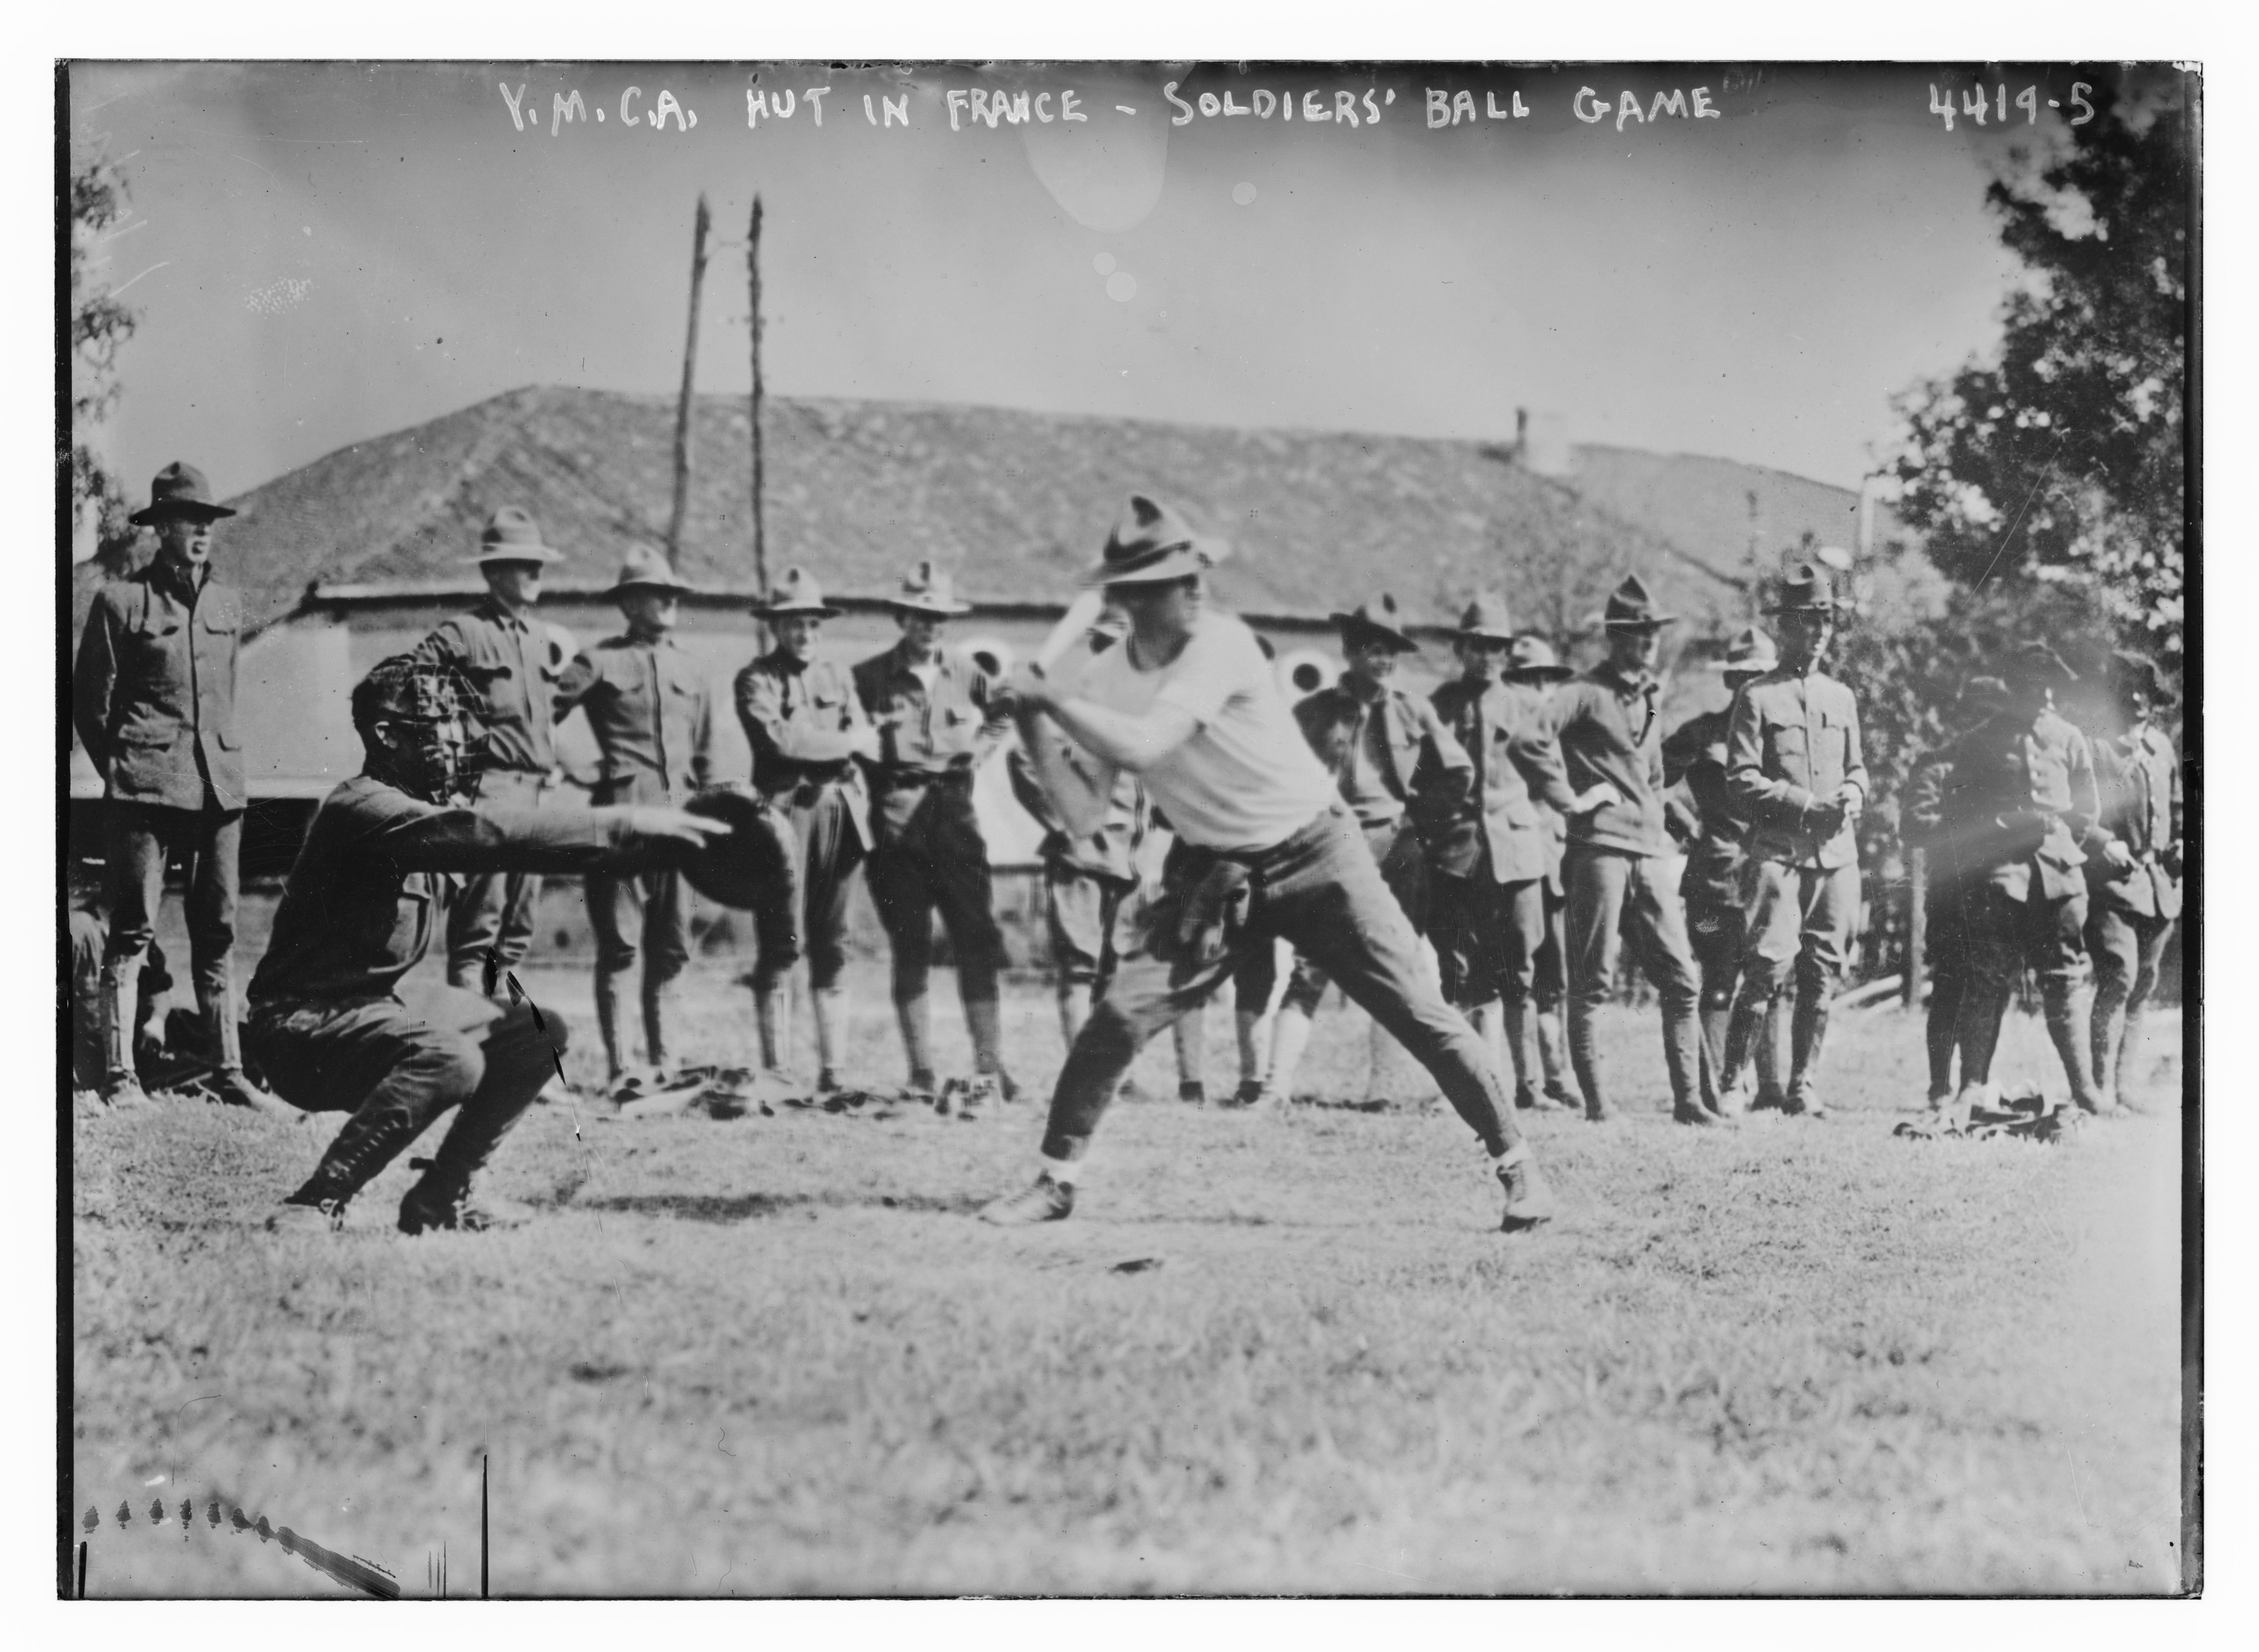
(919, 827)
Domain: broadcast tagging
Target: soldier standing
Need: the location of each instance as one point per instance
(806, 724)
(1702, 817)
(1945, 895)
(1486, 899)
(1088, 880)
(1794, 768)
(2021, 807)
(514, 660)
(935, 728)
(2133, 890)
(653, 714)
(1611, 745)
(1403, 776)
(1532, 664)
(153, 702)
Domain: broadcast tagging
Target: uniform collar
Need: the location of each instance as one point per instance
(175, 582)
(905, 667)
(1605, 671)
(491, 606)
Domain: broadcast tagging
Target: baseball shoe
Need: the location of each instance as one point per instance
(1528, 1200)
(422, 1210)
(1046, 1200)
(1193, 1092)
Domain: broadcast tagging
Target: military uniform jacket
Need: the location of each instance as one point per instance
(154, 691)
(1509, 738)
(924, 735)
(2018, 801)
(360, 905)
(1699, 813)
(1390, 756)
(801, 722)
(517, 663)
(1608, 731)
(2138, 782)
(1111, 851)
(653, 714)
(1792, 738)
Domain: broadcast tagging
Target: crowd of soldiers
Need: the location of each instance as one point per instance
(1524, 819)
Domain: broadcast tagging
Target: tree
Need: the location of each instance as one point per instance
(2059, 459)
(99, 324)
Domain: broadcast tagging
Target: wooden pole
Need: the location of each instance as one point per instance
(1917, 923)
(753, 272)
(683, 410)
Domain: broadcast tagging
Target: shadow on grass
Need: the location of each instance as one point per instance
(729, 1207)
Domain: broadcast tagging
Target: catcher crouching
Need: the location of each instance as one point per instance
(328, 1021)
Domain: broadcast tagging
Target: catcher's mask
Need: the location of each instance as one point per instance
(439, 739)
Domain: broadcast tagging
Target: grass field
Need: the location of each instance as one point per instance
(777, 1356)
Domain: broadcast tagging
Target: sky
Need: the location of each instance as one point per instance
(322, 254)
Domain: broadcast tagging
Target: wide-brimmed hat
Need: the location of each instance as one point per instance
(1630, 609)
(2129, 671)
(510, 535)
(1532, 660)
(1377, 616)
(1806, 590)
(928, 589)
(1750, 652)
(179, 490)
(647, 570)
(1152, 545)
(795, 592)
(1982, 695)
(1486, 619)
(2036, 662)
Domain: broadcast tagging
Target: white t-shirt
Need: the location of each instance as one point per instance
(1246, 779)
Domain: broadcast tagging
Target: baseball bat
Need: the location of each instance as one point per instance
(1073, 625)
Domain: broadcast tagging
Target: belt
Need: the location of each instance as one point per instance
(913, 780)
(804, 794)
(1322, 824)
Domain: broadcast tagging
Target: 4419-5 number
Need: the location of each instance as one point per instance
(1977, 107)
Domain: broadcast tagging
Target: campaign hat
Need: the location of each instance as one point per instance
(1487, 620)
(645, 569)
(1982, 695)
(928, 589)
(1806, 590)
(1532, 660)
(1631, 608)
(2129, 671)
(511, 535)
(2036, 662)
(180, 490)
(1151, 544)
(1377, 616)
(1750, 652)
(796, 592)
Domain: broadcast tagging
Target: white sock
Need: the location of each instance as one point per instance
(1065, 1172)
